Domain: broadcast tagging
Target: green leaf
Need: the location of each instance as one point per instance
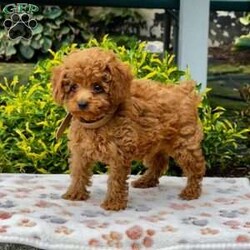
(37, 37)
(42, 171)
(52, 12)
(39, 17)
(245, 20)
(20, 133)
(10, 50)
(35, 44)
(65, 30)
(38, 29)
(59, 21)
(151, 75)
(219, 108)
(26, 51)
(243, 42)
(47, 44)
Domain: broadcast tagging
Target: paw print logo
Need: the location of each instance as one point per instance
(20, 26)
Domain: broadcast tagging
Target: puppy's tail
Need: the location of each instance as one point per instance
(189, 88)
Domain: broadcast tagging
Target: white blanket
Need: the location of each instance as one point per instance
(32, 212)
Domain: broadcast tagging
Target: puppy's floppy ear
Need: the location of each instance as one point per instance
(121, 76)
(58, 74)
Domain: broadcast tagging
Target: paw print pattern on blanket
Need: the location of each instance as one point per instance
(229, 213)
(7, 204)
(195, 221)
(149, 222)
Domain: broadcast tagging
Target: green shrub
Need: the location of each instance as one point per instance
(29, 117)
(221, 137)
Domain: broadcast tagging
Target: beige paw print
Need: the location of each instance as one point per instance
(64, 230)
(26, 223)
(169, 229)
(94, 243)
(209, 231)
(113, 239)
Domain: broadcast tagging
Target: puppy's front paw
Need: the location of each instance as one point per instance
(75, 195)
(114, 205)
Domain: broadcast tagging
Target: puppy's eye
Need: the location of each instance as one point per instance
(97, 88)
(73, 87)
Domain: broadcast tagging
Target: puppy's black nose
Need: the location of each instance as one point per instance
(82, 105)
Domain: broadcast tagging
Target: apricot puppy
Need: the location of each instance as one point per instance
(117, 119)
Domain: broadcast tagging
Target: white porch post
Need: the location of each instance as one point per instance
(193, 38)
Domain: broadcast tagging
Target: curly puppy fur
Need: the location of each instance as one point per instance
(148, 121)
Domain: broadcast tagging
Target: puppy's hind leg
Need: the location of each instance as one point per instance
(156, 165)
(193, 165)
(80, 178)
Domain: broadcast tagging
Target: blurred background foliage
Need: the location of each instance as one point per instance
(58, 26)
